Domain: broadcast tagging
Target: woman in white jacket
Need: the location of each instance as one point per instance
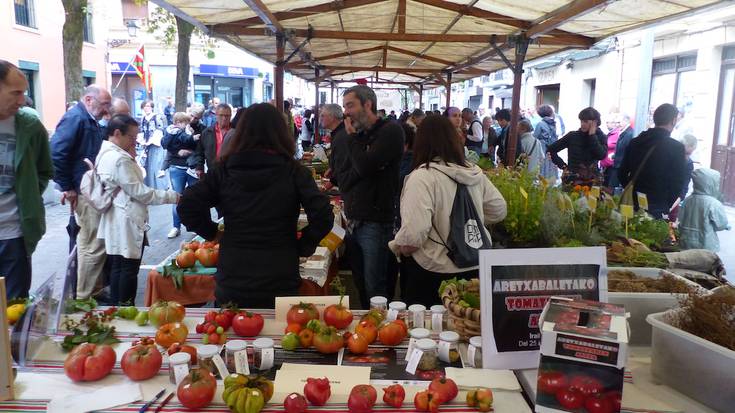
(123, 226)
(426, 205)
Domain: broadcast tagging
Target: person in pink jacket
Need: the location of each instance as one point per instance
(613, 127)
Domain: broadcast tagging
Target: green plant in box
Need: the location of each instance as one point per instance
(524, 194)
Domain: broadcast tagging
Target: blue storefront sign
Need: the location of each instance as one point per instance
(228, 71)
(119, 68)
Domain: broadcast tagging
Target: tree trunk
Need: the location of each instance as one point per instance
(184, 30)
(72, 42)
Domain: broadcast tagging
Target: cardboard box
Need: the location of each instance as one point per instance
(584, 349)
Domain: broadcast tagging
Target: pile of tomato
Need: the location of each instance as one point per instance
(577, 392)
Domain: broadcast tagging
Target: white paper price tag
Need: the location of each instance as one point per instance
(418, 319)
(220, 365)
(266, 362)
(471, 356)
(413, 361)
(241, 362)
(436, 322)
(180, 372)
(392, 315)
(411, 346)
(444, 351)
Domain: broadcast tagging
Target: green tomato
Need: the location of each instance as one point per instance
(290, 341)
(128, 313)
(141, 318)
(220, 330)
(205, 339)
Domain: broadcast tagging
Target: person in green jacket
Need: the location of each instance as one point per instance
(25, 169)
(703, 214)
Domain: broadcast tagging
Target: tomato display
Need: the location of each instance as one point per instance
(197, 389)
(338, 316)
(247, 324)
(186, 259)
(141, 362)
(444, 387)
(177, 348)
(391, 334)
(394, 395)
(294, 403)
(171, 333)
(427, 401)
(301, 313)
(164, 312)
(89, 362)
(481, 399)
(357, 343)
(359, 403)
(328, 341)
(317, 391)
(367, 390)
(306, 338)
(550, 382)
(293, 328)
(367, 329)
(208, 257)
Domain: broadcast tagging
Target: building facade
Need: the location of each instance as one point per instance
(32, 30)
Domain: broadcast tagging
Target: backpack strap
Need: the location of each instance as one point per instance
(440, 242)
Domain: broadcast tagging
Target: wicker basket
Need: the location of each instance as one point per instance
(465, 321)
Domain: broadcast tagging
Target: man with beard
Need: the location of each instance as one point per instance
(369, 188)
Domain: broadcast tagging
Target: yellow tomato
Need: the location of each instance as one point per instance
(14, 312)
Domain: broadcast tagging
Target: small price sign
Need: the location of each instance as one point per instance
(592, 202)
(642, 201)
(626, 211)
(524, 194)
(595, 191)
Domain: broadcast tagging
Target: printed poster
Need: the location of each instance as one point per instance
(515, 285)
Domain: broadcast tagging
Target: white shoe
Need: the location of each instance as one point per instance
(174, 233)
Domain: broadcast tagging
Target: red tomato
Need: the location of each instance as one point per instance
(338, 316)
(186, 259)
(294, 403)
(209, 244)
(176, 348)
(446, 388)
(550, 382)
(359, 402)
(141, 362)
(373, 316)
(368, 391)
(394, 395)
(301, 313)
(197, 389)
(317, 391)
(357, 343)
(598, 404)
(192, 245)
(402, 324)
(328, 341)
(391, 334)
(570, 399)
(615, 398)
(306, 338)
(247, 324)
(171, 333)
(210, 316)
(586, 384)
(164, 312)
(208, 257)
(427, 401)
(367, 329)
(89, 362)
(223, 320)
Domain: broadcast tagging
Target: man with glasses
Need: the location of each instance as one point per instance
(78, 136)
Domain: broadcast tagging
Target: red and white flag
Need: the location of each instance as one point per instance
(142, 69)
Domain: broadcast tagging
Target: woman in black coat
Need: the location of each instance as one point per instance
(259, 189)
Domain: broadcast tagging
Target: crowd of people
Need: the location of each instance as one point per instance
(418, 206)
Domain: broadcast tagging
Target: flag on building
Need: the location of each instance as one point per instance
(142, 69)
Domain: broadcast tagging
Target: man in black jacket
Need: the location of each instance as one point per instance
(212, 140)
(664, 172)
(369, 187)
(626, 135)
(331, 117)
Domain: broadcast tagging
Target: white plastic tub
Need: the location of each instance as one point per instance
(640, 305)
(695, 367)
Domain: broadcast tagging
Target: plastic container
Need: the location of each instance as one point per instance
(379, 303)
(396, 311)
(179, 365)
(430, 359)
(692, 365)
(438, 318)
(474, 352)
(234, 346)
(449, 346)
(416, 316)
(640, 305)
(263, 354)
(204, 358)
(416, 334)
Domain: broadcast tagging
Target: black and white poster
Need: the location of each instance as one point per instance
(515, 285)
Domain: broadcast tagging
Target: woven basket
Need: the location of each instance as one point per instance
(465, 321)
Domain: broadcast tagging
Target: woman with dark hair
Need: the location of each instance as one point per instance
(259, 189)
(439, 165)
(585, 147)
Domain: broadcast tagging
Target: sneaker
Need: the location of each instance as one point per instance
(174, 233)
(161, 174)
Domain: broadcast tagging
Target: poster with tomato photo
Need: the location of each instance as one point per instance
(298, 356)
(572, 386)
(389, 364)
(515, 285)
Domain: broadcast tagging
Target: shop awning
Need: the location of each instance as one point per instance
(418, 41)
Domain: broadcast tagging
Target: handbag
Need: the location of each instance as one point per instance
(627, 197)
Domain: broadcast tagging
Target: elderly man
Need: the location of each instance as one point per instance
(331, 117)
(25, 169)
(475, 135)
(78, 136)
(213, 138)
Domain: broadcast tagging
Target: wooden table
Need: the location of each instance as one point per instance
(199, 288)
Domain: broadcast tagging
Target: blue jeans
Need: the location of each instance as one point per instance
(372, 238)
(15, 266)
(179, 181)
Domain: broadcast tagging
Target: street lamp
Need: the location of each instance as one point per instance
(132, 28)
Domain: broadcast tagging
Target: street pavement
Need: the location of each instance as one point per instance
(52, 252)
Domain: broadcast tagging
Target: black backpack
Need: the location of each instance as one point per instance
(466, 233)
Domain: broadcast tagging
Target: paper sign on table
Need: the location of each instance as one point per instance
(592, 202)
(626, 211)
(283, 304)
(104, 398)
(292, 377)
(495, 379)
